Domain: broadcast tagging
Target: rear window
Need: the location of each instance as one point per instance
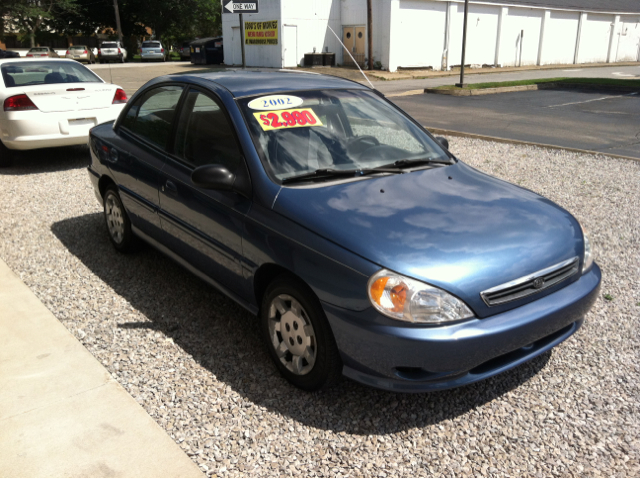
(78, 47)
(110, 45)
(42, 49)
(18, 74)
(150, 44)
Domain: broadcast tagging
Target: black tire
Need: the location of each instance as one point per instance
(6, 156)
(291, 330)
(122, 59)
(118, 223)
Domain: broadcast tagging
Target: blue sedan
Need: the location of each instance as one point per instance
(362, 244)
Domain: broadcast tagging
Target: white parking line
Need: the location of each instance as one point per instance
(621, 74)
(589, 101)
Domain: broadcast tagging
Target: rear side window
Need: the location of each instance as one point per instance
(151, 117)
(205, 135)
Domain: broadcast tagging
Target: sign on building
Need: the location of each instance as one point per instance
(261, 33)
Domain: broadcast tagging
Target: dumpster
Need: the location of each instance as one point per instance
(207, 51)
(313, 59)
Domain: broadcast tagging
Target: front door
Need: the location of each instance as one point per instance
(290, 46)
(205, 226)
(353, 39)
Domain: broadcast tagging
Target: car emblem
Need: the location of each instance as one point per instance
(538, 283)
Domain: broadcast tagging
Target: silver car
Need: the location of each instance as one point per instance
(38, 52)
(81, 53)
(153, 50)
(112, 51)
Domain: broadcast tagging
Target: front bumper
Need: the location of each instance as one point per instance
(408, 358)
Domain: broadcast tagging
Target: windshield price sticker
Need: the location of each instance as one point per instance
(275, 102)
(281, 119)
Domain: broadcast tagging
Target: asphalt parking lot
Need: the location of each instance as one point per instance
(590, 120)
(194, 361)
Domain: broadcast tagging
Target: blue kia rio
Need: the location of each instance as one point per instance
(362, 244)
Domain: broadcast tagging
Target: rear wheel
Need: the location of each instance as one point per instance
(6, 156)
(118, 223)
(298, 335)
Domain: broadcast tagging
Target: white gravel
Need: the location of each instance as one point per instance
(194, 361)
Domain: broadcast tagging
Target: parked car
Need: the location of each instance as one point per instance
(185, 51)
(52, 102)
(39, 52)
(363, 245)
(152, 50)
(81, 53)
(112, 51)
(8, 54)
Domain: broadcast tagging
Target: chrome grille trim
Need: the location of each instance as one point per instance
(523, 287)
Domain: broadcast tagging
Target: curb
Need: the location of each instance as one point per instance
(497, 139)
(406, 75)
(539, 86)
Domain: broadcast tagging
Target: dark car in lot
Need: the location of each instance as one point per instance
(363, 245)
(8, 54)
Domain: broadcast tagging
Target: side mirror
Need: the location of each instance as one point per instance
(213, 177)
(443, 141)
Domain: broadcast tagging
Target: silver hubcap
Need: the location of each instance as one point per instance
(292, 335)
(115, 219)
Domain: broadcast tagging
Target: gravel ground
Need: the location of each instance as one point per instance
(194, 361)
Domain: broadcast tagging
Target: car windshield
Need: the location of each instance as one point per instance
(110, 45)
(334, 129)
(150, 44)
(18, 74)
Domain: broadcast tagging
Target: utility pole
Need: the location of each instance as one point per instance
(242, 41)
(115, 6)
(370, 34)
(464, 44)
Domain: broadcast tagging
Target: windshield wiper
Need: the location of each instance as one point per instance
(400, 164)
(331, 173)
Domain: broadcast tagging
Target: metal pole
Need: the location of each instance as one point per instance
(464, 44)
(115, 6)
(242, 40)
(370, 34)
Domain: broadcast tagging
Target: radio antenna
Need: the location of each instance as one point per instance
(354, 60)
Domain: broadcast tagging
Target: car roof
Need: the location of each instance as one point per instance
(248, 83)
(25, 59)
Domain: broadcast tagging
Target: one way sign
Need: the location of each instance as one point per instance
(240, 7)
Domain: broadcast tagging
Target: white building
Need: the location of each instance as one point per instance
(428, 33)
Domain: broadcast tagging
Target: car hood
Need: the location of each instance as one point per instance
(453, 227)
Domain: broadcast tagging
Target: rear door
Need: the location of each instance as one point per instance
(205, 225)
(142, 152)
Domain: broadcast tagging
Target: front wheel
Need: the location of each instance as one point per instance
(298, 335)
(118, 223)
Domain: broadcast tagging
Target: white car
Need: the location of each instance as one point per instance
(112, 51)
(52, 102)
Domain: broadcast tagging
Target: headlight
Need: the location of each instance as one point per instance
(409, 300)
(588, 252)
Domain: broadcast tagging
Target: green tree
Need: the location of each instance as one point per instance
(28, 17)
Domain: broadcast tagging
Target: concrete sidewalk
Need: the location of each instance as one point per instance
(61, 413)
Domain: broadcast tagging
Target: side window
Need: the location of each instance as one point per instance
(152, 115)
(205, 136)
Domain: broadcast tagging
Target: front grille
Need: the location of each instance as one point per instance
(530, 284)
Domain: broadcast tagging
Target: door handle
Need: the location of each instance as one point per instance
(170, 187)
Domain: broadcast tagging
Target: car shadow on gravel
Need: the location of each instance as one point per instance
(47, 160)
(223, 338)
